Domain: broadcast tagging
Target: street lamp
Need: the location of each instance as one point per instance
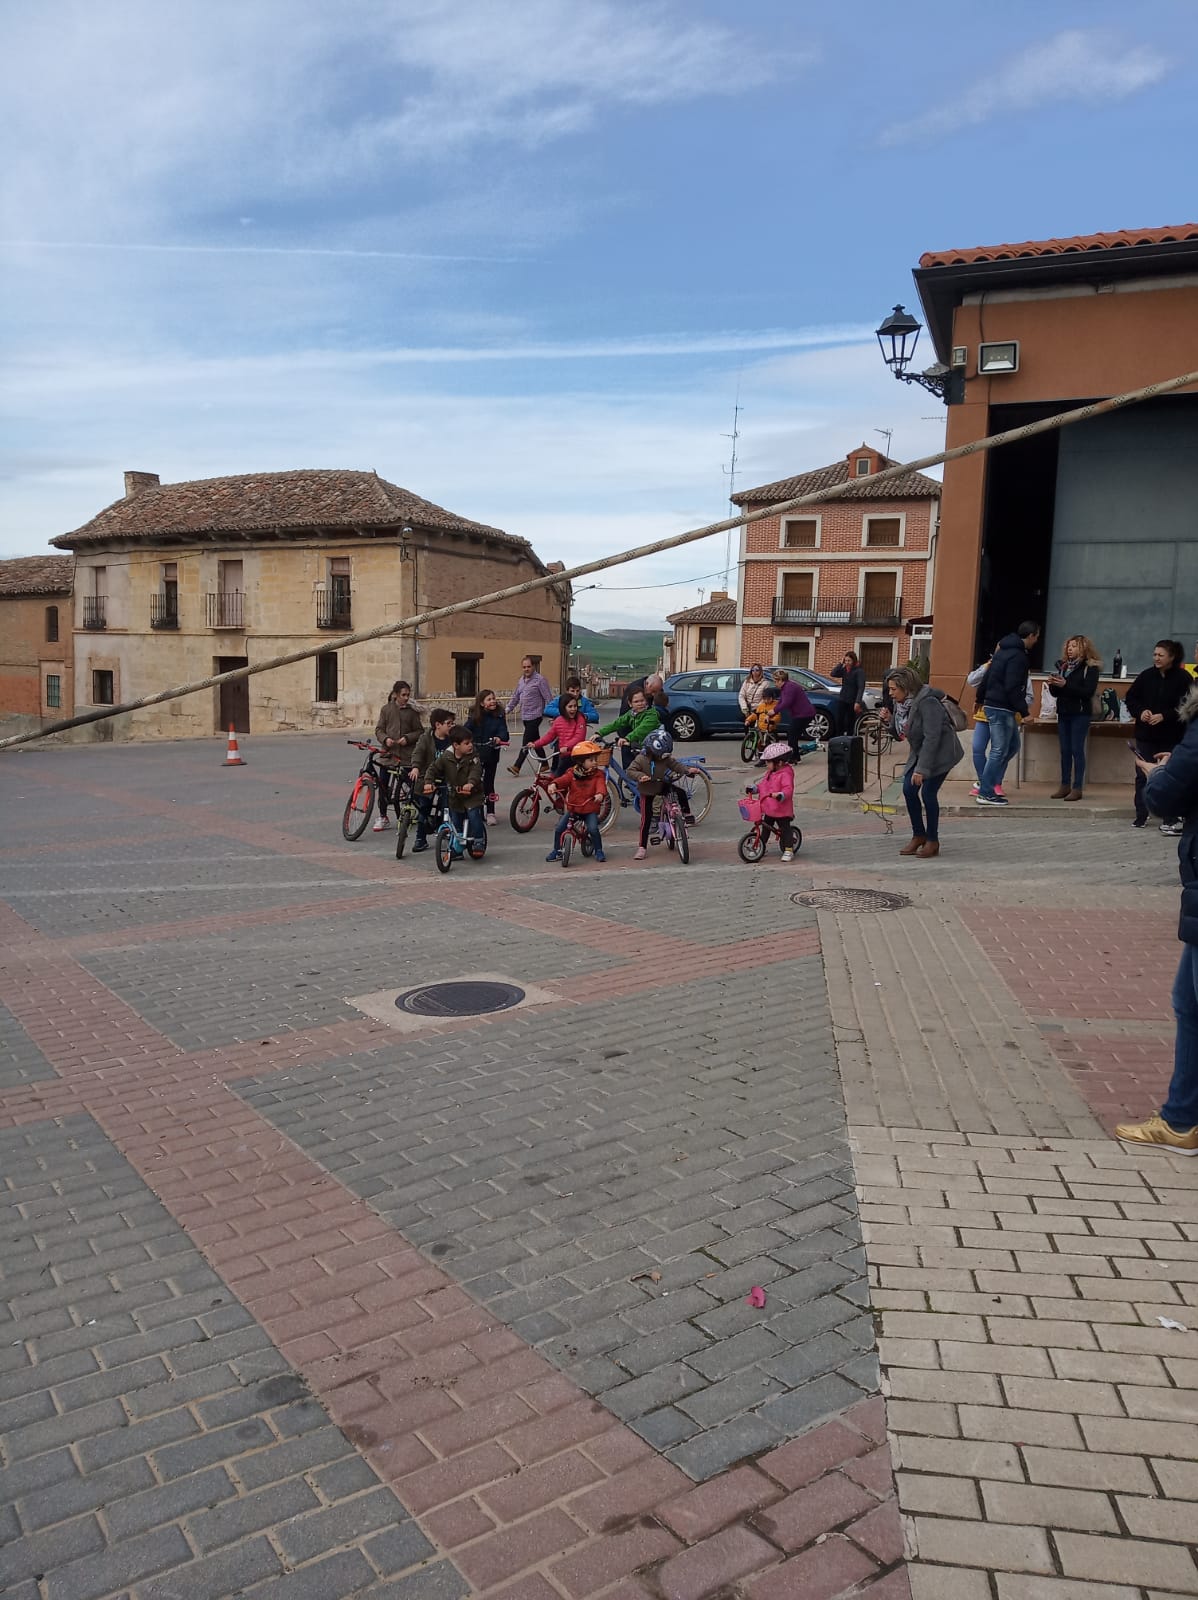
(897, 338)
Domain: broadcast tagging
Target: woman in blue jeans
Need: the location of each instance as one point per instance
(1171, 791)
(1073, 686)
(933, 751)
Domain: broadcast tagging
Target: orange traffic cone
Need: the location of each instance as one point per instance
(233, 757)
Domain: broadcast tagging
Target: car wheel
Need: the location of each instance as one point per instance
(820, 726)
(686, 726)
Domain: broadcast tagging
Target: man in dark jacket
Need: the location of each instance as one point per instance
(1153, 700)
(1003, 692)
(1172, 790)
(654, 692)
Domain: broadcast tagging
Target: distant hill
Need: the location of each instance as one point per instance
(636, 649)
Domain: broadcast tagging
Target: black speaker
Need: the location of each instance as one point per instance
(846, 764)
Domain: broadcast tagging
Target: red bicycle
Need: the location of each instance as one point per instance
(360, 805)
(525, 809)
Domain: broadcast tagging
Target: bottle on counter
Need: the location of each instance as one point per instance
(1117, 665)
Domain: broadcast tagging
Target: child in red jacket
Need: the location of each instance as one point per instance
(776, 791)
(583, 788)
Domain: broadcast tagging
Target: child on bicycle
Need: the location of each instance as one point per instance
(569, 727)
(582, 787)
(653, 772)
(776, 791)
(488, 724)
(397, 730)
(765, 716)
(431, 743)
(461, 771)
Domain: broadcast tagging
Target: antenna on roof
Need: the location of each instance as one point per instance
(887, 434)
(730, 473)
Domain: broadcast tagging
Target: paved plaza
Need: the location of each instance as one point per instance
(305, 1298)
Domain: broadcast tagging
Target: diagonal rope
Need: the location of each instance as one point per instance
(346, 641)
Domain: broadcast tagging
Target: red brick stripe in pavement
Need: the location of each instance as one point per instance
(532, 1485)
(1060, 968)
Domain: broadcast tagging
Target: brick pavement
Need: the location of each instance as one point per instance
(439, 1239)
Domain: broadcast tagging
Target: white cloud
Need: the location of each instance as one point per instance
(1092, 67)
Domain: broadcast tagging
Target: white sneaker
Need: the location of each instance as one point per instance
(788, 855)
(381, 825)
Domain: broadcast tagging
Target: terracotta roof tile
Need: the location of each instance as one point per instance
(268, 500)
(907, 486)
(712, 611)
(1124, 238)
(37, 575)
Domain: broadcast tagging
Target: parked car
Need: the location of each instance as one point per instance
(704, 704)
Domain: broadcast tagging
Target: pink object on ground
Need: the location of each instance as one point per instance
(756, 1296)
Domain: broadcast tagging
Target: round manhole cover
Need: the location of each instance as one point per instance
(459, 999)
(851, 900)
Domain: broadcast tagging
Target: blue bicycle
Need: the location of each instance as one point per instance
(452, 843)
(624, 793)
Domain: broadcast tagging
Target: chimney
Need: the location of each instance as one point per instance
(138, 482)
(718, 594)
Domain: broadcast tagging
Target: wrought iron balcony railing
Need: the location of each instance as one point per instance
(164, 610)
(225, 609)
(95, 611)
(885, 613)
(333, 609)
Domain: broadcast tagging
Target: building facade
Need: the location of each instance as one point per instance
(36, 681)
(1092, 529)
(845, 575)
(176, 582)
(704, 636)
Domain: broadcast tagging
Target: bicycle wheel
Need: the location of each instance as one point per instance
(567, 847)
(358, 808)
(476, 845)
(610, 809)
(798, 844)
(587, 848)
(444, 850)
(403, 823)
(876, 734)
(683, 838)
(748, 749)
(751, 847)
(698, 786)
(524, 811)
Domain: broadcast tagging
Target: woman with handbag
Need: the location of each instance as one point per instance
(925, 718)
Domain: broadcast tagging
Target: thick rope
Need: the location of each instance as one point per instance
(1047, 425)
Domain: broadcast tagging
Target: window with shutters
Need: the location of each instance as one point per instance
(51, 624)
(794, 653)
(326, 676)
(879, 597)
(877, 657)
(882, 533)
(707, 645)
(800, 533)
(53, 691)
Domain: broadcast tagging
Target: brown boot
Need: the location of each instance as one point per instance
(1074, 794)
(1061, 793)
(914, 847)
(928, 850)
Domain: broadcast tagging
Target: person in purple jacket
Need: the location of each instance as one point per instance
(530, 697)
(795, 708)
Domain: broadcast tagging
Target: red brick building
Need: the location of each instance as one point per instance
(845, 575)
(35, 641)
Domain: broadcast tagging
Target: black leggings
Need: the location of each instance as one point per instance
(647, 803)
(490, 761)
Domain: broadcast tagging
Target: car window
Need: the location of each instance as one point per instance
(686, 680)
(718, 680)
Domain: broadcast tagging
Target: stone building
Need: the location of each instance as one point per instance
(177, 581)
(847, 575)
(36, 685)
(704, 636)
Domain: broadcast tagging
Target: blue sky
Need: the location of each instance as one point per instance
(522, 257)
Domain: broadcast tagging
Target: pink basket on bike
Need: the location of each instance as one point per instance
(750, 808)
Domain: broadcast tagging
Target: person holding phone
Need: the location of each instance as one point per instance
(1073, 685)
(1153, 701)
(1171, 789)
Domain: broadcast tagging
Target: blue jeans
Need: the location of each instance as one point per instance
(923, 806)
(1180, 1109)
(981, 743)
(1073, 733)
(591, 818)
(478, 825)
(1004, 742)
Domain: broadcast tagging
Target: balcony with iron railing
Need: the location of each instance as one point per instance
(95, 612)
(164, 610)
(225, 609)
(840, 610)
(333, 609)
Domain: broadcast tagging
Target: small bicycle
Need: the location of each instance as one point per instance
(525, 808)
(753, 743)
(624, 792)
(671, 828)
(752, 845)
(453, 844)
(577, 833)
(407, 814)
(360, 805)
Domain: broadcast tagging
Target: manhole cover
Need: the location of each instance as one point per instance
(851, 900)
(459, 999)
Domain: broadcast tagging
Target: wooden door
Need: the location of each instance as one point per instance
(879, 603)
(234, 706)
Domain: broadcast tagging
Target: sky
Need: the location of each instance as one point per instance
(525, 259)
